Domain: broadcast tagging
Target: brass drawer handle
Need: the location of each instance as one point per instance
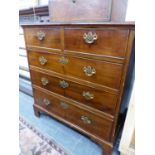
(44, 81)
(46, 102)
(42, 60)
(64, 105)
(63, 60)
(63, 84)
(40, 35)
(90, 37)
(86, 120)
(89, 71)
(87, 95)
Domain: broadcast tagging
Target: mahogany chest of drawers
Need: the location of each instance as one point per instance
(78, 73)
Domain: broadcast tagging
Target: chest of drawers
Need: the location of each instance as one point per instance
(78, 73)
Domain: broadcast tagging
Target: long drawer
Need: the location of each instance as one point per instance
(100, 41)
(96, 71)
(89, 96)
(84, 119)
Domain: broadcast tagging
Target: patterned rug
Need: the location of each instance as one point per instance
(32, 142)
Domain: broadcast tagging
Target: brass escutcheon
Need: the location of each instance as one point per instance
(63, 60)
(87, 95)
(63, 84)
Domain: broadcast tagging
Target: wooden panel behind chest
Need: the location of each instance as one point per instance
(80, 10)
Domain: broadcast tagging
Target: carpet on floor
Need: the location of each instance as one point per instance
(33, 142)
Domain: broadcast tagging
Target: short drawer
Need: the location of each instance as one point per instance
(82, 118)
(46, 61)
(43, 37)
(100, 41)
(89, 96)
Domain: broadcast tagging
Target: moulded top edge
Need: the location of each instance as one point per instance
(132, 24)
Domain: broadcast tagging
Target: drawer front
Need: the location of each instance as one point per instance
(46, 61)
(86, 120)
(47, 82)
(110, 42)
(43, 37)
(89, 96)
(101, 72)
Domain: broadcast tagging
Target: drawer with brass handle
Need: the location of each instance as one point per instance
(95, 71)
(47, 82)
(43, 37)
(97, 41)
(98, 99)
(67, 110)
(48, 61)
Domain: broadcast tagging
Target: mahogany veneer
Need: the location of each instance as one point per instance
(78, 73)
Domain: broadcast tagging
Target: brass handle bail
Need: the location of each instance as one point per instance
(89, 71)
(40, 35)
(42, 60)
(46, 102)
(44, 81)
(90, 37)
